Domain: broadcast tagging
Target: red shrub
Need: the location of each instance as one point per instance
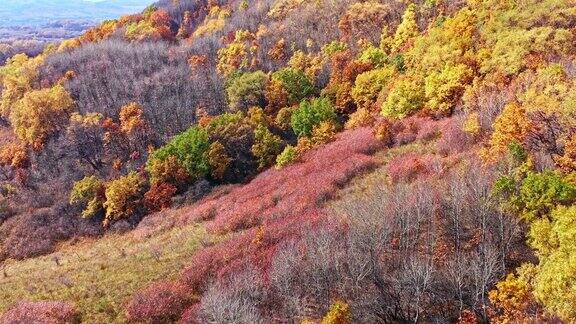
(168, 218)
(404, 136)
(416, 128)
(405, 131)
(159, 196)
(190, 315)
(408, 167)
(206, 211)
(383, 131)
(277, 206)
(161, 302)
(204, 264)
(241, 250)
(38, 232)
(283, 202)
(453, 139)
(428, 129)
(405, 168)
(292, 190)
(41, 312)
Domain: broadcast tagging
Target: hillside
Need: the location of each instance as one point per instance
(264, 161)
(27, 26)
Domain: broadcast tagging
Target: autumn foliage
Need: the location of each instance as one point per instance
(298, 200)
(256, 114)
(159, 196)
(45, 312)
(160, 302)
(310, 187)
(123, 197)
(41, 114)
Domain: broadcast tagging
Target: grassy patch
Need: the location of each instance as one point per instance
(362, 185)
(99, 276)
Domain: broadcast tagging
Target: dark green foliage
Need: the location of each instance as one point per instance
(266, 147)
(535, 195)
(236, 134)
(247, 90)
(295, 82)
(542, 192)
(189, 148)
(398, 62)
(517, 152)
(310, 114)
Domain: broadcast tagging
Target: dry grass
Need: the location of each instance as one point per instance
(364, 183)
(99, 276)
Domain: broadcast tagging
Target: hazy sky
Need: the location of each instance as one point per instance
(37, 12)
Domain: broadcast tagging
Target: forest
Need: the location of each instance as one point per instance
(283, 161)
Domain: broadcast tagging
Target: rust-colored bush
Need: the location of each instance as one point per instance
(405, 131)
(360, 118)
(453, 138)
(14, 155)
(41, 312)
(159, 196)
(383, 131)
(344, 73)
(410, 166)
(169, 170)
(159, 303)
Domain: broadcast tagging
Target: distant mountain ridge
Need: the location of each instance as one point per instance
(43, 12)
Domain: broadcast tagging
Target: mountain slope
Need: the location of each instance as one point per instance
(349, 161)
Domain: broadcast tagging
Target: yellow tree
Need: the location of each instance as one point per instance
(546, 201)
(266, 146)
(405, 97)
(339, 313)
(90, 192)
(132, 118)
(549, 101)
(513, 299)
(123, 196)
(40, 114)
(235, 56)
(449, 43)
(218, 159)
(407, 30)
(511, 126)
(368, 86)
(555, 279)
(445, 88)
(16, 78)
